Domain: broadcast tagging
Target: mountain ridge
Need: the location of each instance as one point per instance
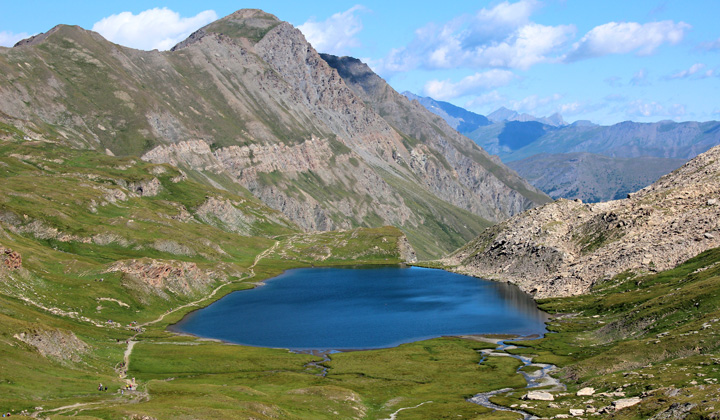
(255, 92)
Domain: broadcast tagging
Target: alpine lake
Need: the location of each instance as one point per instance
(364, 308)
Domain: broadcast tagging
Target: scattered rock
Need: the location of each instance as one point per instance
(550, 252)
(56, 343)
(576, 412)
(676, 411)
(538, 396)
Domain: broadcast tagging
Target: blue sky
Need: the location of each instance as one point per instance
(606, 61)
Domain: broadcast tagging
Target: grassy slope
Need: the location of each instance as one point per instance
(55, 211)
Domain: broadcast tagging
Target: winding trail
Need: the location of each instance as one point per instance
(131, 342)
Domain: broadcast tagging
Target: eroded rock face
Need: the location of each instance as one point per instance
(10, 259)
(59, 344)
(407, 253)
(563, 248)
(175, 276)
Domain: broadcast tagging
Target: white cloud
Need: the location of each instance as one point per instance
(152, 29)
(500, 37)
(335, 35)
(696, 70)
(571, 108)
(446, 89)
(640, 78)
(500, 22)
(8, 39)
(492, 97)
(532, 103)
(640, 108)
(627, 37)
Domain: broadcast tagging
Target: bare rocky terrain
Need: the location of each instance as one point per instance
(564, 248)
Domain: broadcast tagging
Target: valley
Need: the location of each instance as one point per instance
(137, 187)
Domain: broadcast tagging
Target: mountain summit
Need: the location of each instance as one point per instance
(248, 100)
(503, 114)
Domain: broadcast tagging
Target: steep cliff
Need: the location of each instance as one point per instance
(566, 247)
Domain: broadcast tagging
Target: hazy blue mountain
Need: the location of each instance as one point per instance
(592, 177)
(586, 160)
(458, 118)
(666, 139)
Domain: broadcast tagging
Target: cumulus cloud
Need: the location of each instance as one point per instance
(640, 108)
(152, 29)
(8, 39)
(446, 89)
(337, 34)
(500, 37)
(627, 37)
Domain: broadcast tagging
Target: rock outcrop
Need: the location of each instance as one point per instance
(566, 247)
(178, 277)
(10, 259)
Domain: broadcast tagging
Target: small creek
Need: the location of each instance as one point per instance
(536, 379)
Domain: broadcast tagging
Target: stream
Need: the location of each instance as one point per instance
(539, 378)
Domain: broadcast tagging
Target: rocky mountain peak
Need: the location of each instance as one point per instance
(66, 31)
(251, 24)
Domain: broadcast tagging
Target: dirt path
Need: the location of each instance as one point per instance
(394, 415)
(131, 341)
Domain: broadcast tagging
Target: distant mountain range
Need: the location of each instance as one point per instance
(585, 160)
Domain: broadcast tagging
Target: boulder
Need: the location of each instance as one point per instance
(585, 392)
(539, 396)
(626, 402)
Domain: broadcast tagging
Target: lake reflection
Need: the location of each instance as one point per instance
(342, 308)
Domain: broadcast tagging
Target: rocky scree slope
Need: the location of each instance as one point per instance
(247, 98)
(566, 247)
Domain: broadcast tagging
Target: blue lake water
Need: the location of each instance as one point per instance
(362, 308)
